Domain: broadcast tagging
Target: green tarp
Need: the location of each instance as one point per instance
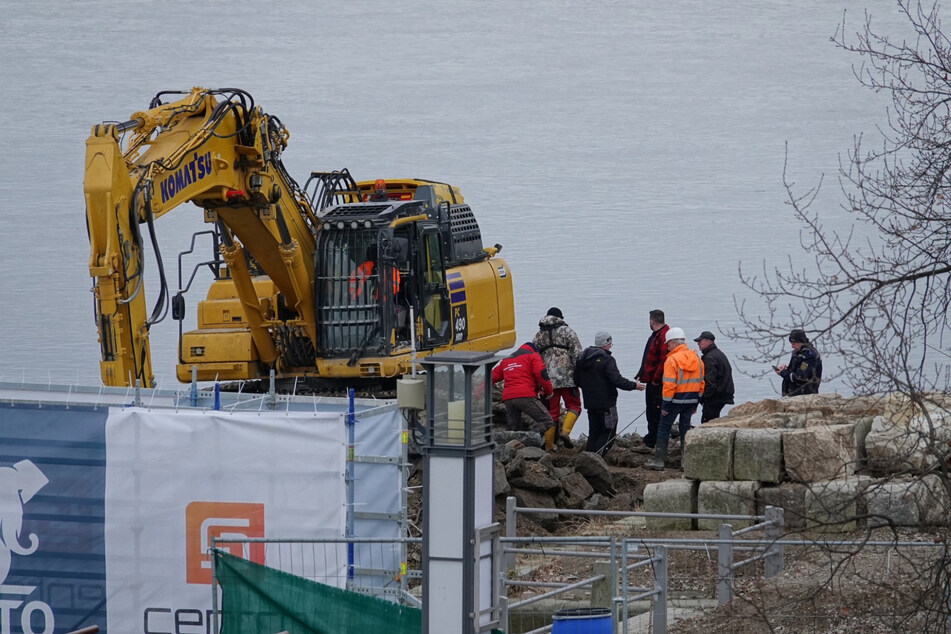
(261, 600)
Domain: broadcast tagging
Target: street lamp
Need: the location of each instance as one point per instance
(460, 569)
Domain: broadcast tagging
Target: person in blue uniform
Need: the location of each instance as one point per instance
(803, 374)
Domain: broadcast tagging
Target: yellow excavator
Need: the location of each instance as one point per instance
(339, 283)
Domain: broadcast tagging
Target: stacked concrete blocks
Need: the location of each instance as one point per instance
(814, 457)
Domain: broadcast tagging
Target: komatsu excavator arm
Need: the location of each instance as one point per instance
(213, 148)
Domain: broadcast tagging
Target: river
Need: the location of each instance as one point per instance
(627, 156)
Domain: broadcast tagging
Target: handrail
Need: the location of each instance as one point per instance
(548, 595)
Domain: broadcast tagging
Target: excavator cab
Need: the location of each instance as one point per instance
(376, 264)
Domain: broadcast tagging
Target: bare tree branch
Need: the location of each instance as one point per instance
(876, 295)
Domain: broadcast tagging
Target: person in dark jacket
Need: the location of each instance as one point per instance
(525, 379)
(651, 372)
(717, 377)
(803, 374)
(599, 379)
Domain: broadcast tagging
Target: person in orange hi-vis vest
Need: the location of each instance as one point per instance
(683, 385)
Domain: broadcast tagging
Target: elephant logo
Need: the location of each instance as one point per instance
(18, 485)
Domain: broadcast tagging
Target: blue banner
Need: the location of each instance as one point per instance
(52, 508)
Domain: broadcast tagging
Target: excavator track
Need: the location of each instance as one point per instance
(324, 388)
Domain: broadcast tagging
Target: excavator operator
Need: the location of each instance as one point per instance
(362, 278)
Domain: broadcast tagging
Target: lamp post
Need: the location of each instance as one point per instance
(460, 569)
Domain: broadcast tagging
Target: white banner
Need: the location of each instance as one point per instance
(177, 479)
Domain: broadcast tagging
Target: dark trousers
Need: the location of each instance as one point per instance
(533, 408)
(683, 411)
(602, 429)
(711, 411)
(653, 398)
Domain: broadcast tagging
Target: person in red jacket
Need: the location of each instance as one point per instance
(651, 372)
(525, 380)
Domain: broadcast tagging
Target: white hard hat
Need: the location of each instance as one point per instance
(675, 333)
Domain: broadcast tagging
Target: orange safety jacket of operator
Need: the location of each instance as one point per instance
(364, 272)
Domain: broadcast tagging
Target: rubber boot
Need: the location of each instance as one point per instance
(566, 427)
(658, 462)
(550, 438)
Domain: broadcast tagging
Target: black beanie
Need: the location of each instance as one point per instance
(555, 312)
(798, 336)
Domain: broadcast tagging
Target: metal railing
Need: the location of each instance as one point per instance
(626, 559)
(763, 541)
(602, 549)
(771, 553)
(657, 593)
(624, 572)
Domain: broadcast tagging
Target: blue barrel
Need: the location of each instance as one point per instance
(582, 621)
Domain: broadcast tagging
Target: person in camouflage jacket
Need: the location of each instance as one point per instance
(560, 348)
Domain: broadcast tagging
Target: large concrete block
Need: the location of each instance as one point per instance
(900, 409)
(869, 405)
(908, 443)
(861, 427)
(758, 455)
(822, 452)
(726, 498)
(671, 496)
(775, 420)
(824, 404)
(789, 496)
(708, 453)
(893, 503)
(836, 505)
(756, 408)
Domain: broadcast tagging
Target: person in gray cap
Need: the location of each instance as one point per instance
(717, 377)
(599, 379)
(803, 374)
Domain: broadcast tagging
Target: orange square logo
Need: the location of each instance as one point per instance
(207, 521)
